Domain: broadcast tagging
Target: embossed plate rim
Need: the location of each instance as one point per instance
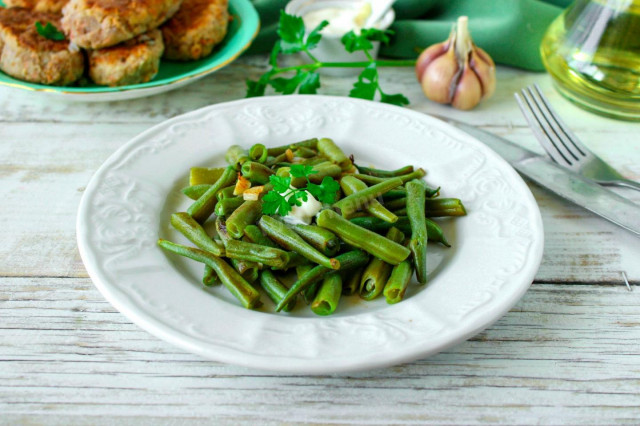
(329, 347)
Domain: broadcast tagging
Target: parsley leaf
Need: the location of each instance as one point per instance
(291, 32)
(314, 36)
(298, 197)
(255, 88)
(397, 99)
(301, 170)
(326, 192)
(367, 84)
(274, 203)
(49, 31)
(287, 86)
(280, 183)
(310, 84)
(273, 57)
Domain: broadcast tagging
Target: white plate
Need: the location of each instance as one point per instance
(496, 250)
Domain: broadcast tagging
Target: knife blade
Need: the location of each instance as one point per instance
(562, 182)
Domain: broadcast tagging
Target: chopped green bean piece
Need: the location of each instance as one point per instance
(257, 173)
(227, 206)
(372, 180)
(258, 152)
(204, 175)
(236, 156)
(251, 252)
(275, 289)
(247, 214)
(323, 240)
(418, 242)
(398, 282)
(328, 296)
(238, 286)
(191, 229)
(377, 272)
(351, 185)
(329, 149)
(438, 207)
(204, 206)
(385, 173)
(195, 191)
(357, 236)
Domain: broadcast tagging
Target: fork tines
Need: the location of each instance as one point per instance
(556, 138)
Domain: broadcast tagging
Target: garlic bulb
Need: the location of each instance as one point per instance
(456, 71)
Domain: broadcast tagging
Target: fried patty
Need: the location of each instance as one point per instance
(95, 24)
(26, 55)
(197, 27)
(132, 62)
(52, 6)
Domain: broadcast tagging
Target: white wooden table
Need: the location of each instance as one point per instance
(568, 352)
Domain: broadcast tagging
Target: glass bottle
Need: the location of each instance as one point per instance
(592, 51)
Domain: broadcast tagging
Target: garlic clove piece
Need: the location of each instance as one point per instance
(438, 82)
(485, 69)
(468, 91)
(428, 55)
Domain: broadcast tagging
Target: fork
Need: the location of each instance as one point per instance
(561, 144)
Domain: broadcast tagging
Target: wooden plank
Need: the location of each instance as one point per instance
(563, 355)
(43, 180)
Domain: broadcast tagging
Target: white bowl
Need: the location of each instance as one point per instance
(330, 49)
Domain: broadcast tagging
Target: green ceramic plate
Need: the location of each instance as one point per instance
(242, 30)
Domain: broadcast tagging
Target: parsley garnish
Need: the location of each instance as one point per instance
(305, 79)
(283, 197)
(49, 31)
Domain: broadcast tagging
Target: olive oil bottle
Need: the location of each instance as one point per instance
(592, 51)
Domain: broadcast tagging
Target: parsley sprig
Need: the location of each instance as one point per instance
(305, 79)
(283, 197)
(49, 31)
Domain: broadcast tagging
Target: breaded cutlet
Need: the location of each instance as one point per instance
(52, 6)
(96, 24)
(26, 55)
(132, 62)
(197, 27)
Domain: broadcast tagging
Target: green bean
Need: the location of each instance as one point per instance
(418, 242)
(309, 293)
(258, 152)
(275, 289)
(227, 206)
(444, 207)
(226, 192)
(304, 152)
(238, 286)
(288, 239)
(202, 208)
(253, 234)
(349, 204)
(372, 180)
(377, 272)
(295, 260)
(398, 282)
(251, 252)
(204, 175)
(191, 229)
(195, 191)
(323, 240)
(357, 236)
(351, 281)
(247, 214)
(434, 232)
(257, 173)
(401, 212)
(308, 143)
(246, 268)
(328, 296)
(209, 277)
(236, 156)
(303, 269)
(349, 260)
(401, 193)
(385, 173)
(398, 203)
(350, 185)
(330, 150)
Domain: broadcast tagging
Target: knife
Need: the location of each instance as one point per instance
(563, 182)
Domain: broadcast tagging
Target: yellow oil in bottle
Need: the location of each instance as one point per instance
(592, 51)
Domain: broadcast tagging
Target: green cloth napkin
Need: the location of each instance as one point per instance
(509, 30)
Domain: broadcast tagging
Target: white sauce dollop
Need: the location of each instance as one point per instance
(341, 19)
(304, 214)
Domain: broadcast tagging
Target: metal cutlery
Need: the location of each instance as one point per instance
(561, 144)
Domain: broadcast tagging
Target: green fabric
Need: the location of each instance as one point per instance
(509, 30)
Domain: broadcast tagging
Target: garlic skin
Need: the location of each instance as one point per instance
(456, 71)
